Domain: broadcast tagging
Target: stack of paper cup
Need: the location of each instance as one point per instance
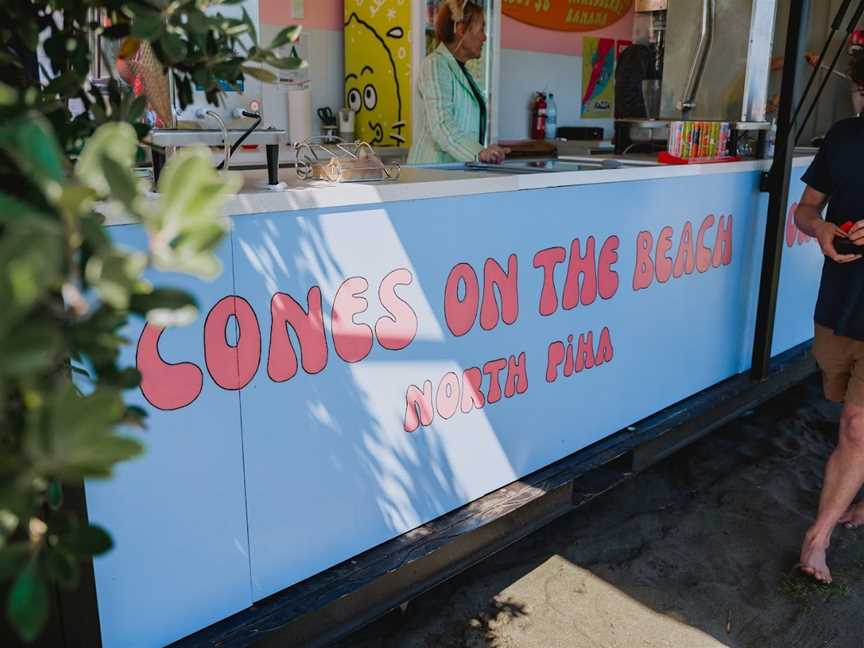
(346, 124)
(299, 114)
(275, 105)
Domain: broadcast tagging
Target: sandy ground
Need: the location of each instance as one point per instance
(696, 552)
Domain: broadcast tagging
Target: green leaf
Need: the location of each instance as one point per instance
(30, 141)
(116, 31)
(173, 47)
(248, 22)
(15, 209)
(62, 566)
(196, 21)
(116, 275)
(285, 36)
(127, 378)
(161, 302)
(80, 440)
(11, 558)
(8, 95)
(77, 198)
(88, 541)
(136, 110)
(94, 231)
(97, 337)
(30, 262)
(135, 416)
(8, 524)
(286, 63)
(96, 460)
(170, 317)
(28, 32)
(114, 140)
(54, 495)
(171, 298)
(120, 180)
(31, 347)
(263, 75)
(147, 26)
(188, 225)
(28, 605)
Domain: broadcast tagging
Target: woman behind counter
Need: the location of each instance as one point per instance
(452, 119)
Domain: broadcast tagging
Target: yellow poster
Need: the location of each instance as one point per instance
(378, 70)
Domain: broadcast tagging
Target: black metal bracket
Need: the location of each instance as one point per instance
(158, 163)
(272, 164)
(778, 188)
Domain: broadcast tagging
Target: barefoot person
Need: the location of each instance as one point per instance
(835, 178)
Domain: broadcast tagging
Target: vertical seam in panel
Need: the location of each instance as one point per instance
(240, 406)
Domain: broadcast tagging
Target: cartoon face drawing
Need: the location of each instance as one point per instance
(372, 87)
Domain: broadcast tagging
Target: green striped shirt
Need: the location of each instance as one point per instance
(448, 128)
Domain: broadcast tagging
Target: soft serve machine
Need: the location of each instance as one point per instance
(711, 60)
(238, 118)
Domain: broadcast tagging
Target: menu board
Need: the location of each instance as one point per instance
(567, 15)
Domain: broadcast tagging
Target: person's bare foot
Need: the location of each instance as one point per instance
(854, 516)
(813, 558)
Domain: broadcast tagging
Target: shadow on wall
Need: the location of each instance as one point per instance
(330, 469)
(328, 452)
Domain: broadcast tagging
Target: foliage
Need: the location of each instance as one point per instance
(67, 290)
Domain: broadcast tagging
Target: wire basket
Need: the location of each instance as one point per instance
(335, 160)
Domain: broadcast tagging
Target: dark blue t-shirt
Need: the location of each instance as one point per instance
(837, 171)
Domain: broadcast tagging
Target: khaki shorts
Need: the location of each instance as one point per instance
(841, 360)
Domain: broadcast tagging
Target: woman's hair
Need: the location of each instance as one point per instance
(445, 25)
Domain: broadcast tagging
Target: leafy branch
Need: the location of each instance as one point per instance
(67, 290)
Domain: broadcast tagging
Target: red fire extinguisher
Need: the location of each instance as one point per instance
(538, 117)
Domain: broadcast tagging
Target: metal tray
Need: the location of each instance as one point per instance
(334, 160)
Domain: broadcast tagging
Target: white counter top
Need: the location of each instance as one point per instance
(422, 183)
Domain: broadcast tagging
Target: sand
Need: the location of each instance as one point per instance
(695, 552)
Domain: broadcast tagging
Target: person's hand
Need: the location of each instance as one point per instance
(856, 233)
(493, 154)
(825, 233)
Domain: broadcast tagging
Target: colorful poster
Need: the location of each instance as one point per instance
(567, 15)
(598, 77)
(378, 70)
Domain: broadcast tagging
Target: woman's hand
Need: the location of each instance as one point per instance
(825, 233)
(493, 154)
(856, 233)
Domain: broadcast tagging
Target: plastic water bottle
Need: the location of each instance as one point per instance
(551, 117)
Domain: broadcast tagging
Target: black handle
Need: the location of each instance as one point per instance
(841, 14)
(855, 18)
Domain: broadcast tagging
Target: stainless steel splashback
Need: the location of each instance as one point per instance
(717, 59)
